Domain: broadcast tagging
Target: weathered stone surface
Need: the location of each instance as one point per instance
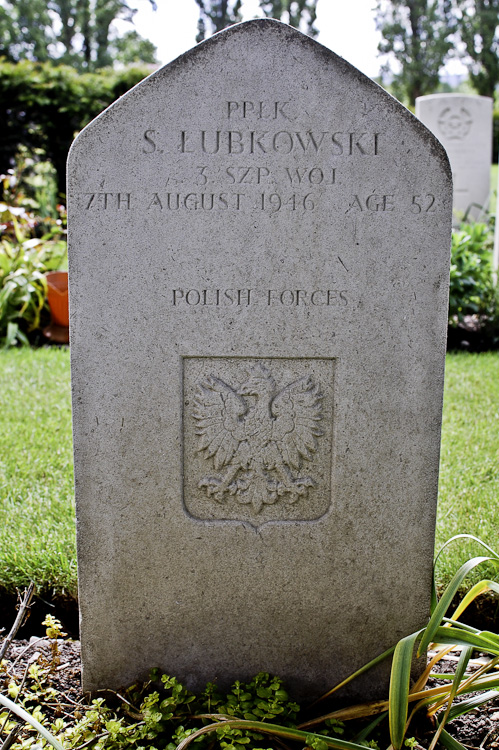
(463, 124)
(259, 259)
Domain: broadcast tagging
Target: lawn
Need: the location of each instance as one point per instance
(37, 539)
(37, 535)
(469, 462)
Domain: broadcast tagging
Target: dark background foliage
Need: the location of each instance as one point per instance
(43, 106)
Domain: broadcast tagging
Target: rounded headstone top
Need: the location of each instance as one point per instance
(451, 96)
(277, 59)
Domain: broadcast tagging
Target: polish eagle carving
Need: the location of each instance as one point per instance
(257, 437)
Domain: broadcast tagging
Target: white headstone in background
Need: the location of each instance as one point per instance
(259, 265)
(463, 124)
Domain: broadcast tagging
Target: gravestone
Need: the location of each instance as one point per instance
(463, 124)
(259, 263)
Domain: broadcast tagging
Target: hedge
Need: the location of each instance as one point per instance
(43, 105)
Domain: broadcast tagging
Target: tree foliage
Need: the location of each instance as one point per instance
(417, 34)
(218, 14)
(478, 25)
(26, 30)
(73, 32)
(293, 12)
(222, 13)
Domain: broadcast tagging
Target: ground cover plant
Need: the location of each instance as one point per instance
(36, 479)
(471, 284)
(162, 713)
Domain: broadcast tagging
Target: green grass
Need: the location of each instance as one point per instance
(36, 476)
(469, 463)
(37, 535)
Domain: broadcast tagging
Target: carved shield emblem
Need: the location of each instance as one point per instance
(258, 438)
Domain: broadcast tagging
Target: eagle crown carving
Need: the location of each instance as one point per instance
(258, 438)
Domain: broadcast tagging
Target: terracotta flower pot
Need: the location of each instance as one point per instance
(57, 294)
(57, 283)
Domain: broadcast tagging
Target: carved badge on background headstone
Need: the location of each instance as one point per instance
(257, 438)
(454, 123)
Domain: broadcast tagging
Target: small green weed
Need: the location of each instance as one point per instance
(54, 632)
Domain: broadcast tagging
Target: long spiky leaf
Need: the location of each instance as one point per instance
(471, 703)
(476, 590)
(365, 668)
(450, 742)
(30, 720)
(366, 731)
(458, 637)
(399, 688)
(466, 654)
(447, 597)
(465, 536)
(460, 625)
(423, 678)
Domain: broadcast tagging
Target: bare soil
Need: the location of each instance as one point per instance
(477, 730)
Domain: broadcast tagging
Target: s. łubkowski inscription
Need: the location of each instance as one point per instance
(247, 142)
(271, 297)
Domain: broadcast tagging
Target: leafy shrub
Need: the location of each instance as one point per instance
(30, 246)
(471, 284)
(43, 105)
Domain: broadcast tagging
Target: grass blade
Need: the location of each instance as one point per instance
(273, 729)
(30, 720)
(449, 742)
(399, 688)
